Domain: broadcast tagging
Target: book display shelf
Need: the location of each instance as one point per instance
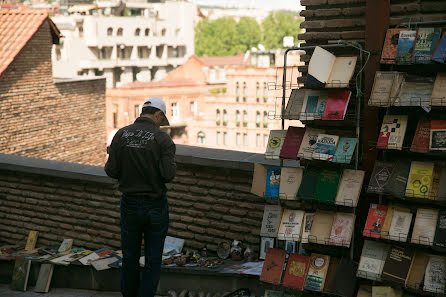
(405, 231)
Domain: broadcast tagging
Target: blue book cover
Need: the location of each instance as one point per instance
(425, 44)
(311, 104)
(439, 54)
(272, 182)
(325, 147)
(404, 50)
(345, 149)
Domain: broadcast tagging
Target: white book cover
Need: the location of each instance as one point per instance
(342, 229)
(325, 147)
(350, 187)
(435, 275)
(382, 88)
(89, 258)
(65, 245)
(424, 227)
(102, 264)
(173, 245)
(271, 220)
(372, 260)
(275, 142)
(290, 179)
(306, 228)
(309, 143)
(291, 225)
(341, 72)
(400, 225)
(321, 63)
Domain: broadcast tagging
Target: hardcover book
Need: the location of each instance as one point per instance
(321, 227)
(275, 142)
(420, 179)
(390, 46)
(325, 147)
(309, 105)
(309, 143)
(291, 225)
(420, 143)
(397, 265)
(258, 185)
(375, 220)
(294, 105)
(32, 240)
(20, 274)
(307, 223)
(271, 219)
(372, 260)
(438, 97)
(273, 266)
(336, 106)
(292, 142)
(344, 281)
(342, 229)
(400, 225)
(380, 175)
(397, 183)
(434, 280)
(404, 50)
(317, 272)
(415, 91)
(272, 182)
(392, 132)
(296, 271)
(345, 150)
(416, 272)
(438, 135)
(386, 87)
(350, 187)
(290, 180)
(440, 231)
(308, 185)
(327, 185)
(439, 54)
(44, 278)
(425, 44)
(424, 227)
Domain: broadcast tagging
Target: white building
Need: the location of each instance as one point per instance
(145, 45)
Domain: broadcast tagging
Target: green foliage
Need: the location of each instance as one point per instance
(216, 38)
(278, 25)
(248, 34)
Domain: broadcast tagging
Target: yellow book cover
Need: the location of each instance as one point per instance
(387, 221)
(32, 240)
(420, 180)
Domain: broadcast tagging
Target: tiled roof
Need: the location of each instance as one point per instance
(222, 61)
(160, 84)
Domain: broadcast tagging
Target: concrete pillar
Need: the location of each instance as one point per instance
(127, 75)
(144, 74)
(108, 73)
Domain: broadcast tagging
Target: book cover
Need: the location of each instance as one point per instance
(341, 72)
(44, 278)
(308, 185)
(291, 225)
(342, 229)
(321, 64)
(65, 245)
(317, 272)
(310, 105)
(416, 272)
(332, 267)
(271, 219)
(400, 225)
(440, 231)
(397, 182)
(273, 266)
(420, 143)
(307, 223)
(102, 263)
(275, 142)
(387, 222)
(397, 265)
(294, 105)
(327, 185)
(173, 245)
(312, 83)
(290, 180)
(31, 241)
(258, 185)
(296, 271)
(309, 143)
(392, 132)
(372, 259)
(272, 182)
(438, 96)
(380, 175)
(86, 260)
(438, 135)
(386, 87)
(345, 150)
(265, 244)
(20, 274)
(406, 42)
(292, 142)
(344, 281)
(425, 44)
(436, 180)
(321, 103)
(420, 179)
(424, 227)
(350, 187)
(336, 106)
(439, 54)
(290, 246)
(321, 227)
(415, 91)
(325, 147)
(375, 220)
(434, 279)
(390, 46)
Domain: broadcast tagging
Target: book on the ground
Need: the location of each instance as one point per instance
(392, 132)
(350, 187)
(173, 245)
(292, 142)
(65, 245)
(425, 44)
(294, 105)
(20, 274)
(424, 227)
(420, 180)
(439, 54)
(375, 220)
(396, 186)
(44, 278)
(397, 265)
(325, 147)
(308, 185)
(336, 106)
(332, 267)
(291, 225)
(342, 229)
(400, 225)
(380, 176)
(296, 271)
(434, 278)
(309, 143)
(272, 186)
(32, 240)
(345, 150)
(258, 185)
(290, 180)
(68, 257)
(321, 227)
(390, 46)
(406, 43)
(415, 91)
(438, 135)
(275, 142)
(327, 185)
(420, 142)
(382, 291)
(438, 97)
(273, 266)
(372, 260)
(440, 231)
(265, 244)
(416, 272)
(364, 290)
(310, 105)
(344, 281)
(386, 86)
(271, 219)
(317, 272)
(306, 228)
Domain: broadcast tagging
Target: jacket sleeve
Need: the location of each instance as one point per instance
(112, 167)
(167, 163)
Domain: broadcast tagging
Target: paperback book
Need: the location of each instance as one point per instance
(291, 225)
(375, 220)
(296, 271)
(317, 272)
(390, 46)
(438, 135)
(309, 143)
(420, 179)
(325, 147)
(275, 142)
(406, 43)
(372, 260)
(350, 187)
(345, 150)
(342, 229)
(336, 106)
(272, 186)
(293, 140)
(290, 180)
(425, 44)
(273, 266)
(392, 132)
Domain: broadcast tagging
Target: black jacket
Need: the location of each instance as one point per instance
(142, 158)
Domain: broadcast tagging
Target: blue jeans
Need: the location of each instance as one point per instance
(149, 217)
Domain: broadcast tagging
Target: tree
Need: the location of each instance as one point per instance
(216, 38)
(277, 25)
(248, 34)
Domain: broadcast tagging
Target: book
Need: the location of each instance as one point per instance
(308, 185)
(420, 142)
(31, 241)
(390, 46)
(439, 54)
(440, 231)
(321, 103)
(325, 147)
(345, 150)
(344, 281)
(20, 274)
(386, 87)
(275, 142)
(392, 132)
(425, 44)
(415, 91)
(424, 227)
(350, 187)
(307, 223)
(309, 105)
(327, 185)
(397, 182)
(273, 266)
(294, 105)
(272, 186)
(342, 229)
(341, 72)
(416, 272)
(312, 83)
(320, 64)
(434, 280)
(321, 227)
(332, 267)
(405, 46)
(381, 291)
(290, 180)
(397, 265)
(420, 179)
(309, 143)
(44, 278)
(258, 184)
(336, 106)
(271, 219)
(436, 180)
(438, 135)
(317, 272)
(290, 246)
(292, 142)
(265, 244)
(86, 260)
(291, 225)
(438, 96)
(387, 222)
(296, 271)
(372, 259)
(375, 220)
(102, 263)
(441, 191)
(380, 176)
(173, 245)
(65, 245)
(400, 225)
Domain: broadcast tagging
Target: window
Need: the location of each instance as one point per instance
(109, 31)
(245, 139)
(201, 138)
(265, 92)
(120, 32)
(265, 140)
(212, 75)
(193, 107)
(258, 119)
(225, 138)
(136, 109)
(237, 91)
(237, 139)
(175, 110)
(257, 92)
(115, 115)
(265, 119)
(225, 117)
(218, 117)
(245, 92)
(217, 140)
(245, 118)
(222, 74)
(147, 32)
(137, 32)
(163, 32)
(258, 140)
(237, 118)
(102, 53)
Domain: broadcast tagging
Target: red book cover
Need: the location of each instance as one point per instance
(273, 266)
(296, 271)
(420, 143)
(390, 45)
(292, 142)
(375, 220)
(336, 105)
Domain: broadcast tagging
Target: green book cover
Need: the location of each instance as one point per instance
(327, 185)
(308, 184)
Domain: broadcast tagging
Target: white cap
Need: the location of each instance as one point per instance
(157, 102)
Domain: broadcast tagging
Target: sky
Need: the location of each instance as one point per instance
(265, 4)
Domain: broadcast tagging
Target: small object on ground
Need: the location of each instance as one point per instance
(223, 250)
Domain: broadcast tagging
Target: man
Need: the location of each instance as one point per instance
(142, 158)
